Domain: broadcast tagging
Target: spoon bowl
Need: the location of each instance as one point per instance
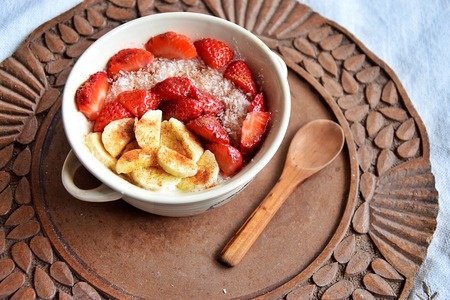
(314, 146)
(304, 152)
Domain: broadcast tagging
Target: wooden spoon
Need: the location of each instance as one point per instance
(313, 147)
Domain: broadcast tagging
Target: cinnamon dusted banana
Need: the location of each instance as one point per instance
(117, 135)
(175, 163)
(148, 130)
(136, 159)
(206, 176)
(154, 178)
(190, 143)
(93, 142)
(169, 139)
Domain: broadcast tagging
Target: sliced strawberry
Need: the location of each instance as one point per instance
(184, 109)
(174, 88)
(171, 45)
(111, 111)
(258, 103)
(253, 129)
(138, 102)
(214, 53)
(239, 73)
(90, 95)
(228, 158)
(128, 60)
(208, 128)
(211, 105)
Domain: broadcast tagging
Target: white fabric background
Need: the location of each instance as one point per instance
(411, 36)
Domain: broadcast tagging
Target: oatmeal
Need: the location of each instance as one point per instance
(203, 77)
(176, 115)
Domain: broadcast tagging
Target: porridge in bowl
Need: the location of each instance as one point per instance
(176, 114)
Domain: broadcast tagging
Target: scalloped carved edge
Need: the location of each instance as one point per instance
(363, 92)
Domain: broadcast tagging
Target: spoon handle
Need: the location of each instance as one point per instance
(249, 232)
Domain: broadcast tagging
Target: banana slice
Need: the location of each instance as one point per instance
(148, 130)
(176, 164)
(117, 135)
(93, 142)
(206, 176)
(130, 146)
(135, 159)
(154, 178)
(190, 143)
(169, 139)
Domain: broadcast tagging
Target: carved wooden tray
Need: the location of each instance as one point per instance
(358, 229)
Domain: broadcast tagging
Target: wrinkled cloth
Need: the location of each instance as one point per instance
(411, 36)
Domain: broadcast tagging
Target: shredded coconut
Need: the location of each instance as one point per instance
(202, 76)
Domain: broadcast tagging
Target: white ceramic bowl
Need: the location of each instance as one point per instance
(262, 61)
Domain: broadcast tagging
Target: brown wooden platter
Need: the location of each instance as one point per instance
(359, 229)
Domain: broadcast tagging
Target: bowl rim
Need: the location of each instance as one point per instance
(169, 197)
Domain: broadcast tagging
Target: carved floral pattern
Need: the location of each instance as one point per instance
(396, 211)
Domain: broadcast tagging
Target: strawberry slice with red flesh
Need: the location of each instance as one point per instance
(214, 53)
(90, 95)
(184, 109)
(208, 128)
(171, 45)
(174, 88)
(128, 60)
(138, 102)
(258, 103)
(253, 129)
(211, 105)
(228, 158)
(240, 74)
(110, 112)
